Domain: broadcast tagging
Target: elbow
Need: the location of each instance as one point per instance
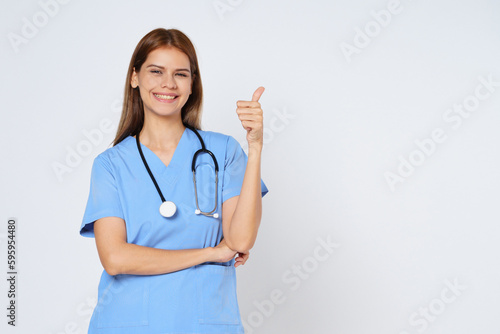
(111, 264)
(112, 271)
(241, 246)
(242, 240)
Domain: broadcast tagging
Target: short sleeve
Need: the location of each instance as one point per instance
(234, 170)
(103, 200)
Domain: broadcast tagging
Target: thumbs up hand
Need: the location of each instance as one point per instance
(251, 117)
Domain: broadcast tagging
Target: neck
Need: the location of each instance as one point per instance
(161, 133)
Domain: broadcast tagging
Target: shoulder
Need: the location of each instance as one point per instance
(212, 135)
(219, 138)
(116, 153)
(227, 147)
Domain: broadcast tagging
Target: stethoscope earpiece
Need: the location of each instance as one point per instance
(215, 215)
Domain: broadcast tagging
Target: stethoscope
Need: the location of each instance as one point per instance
(168, 208)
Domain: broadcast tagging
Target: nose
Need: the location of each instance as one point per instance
(169, 81)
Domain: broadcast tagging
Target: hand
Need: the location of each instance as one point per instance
(223, 252)
(241, 259)
(251, 117)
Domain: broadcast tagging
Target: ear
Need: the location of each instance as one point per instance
(133, 81)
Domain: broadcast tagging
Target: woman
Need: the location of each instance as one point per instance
(165, 236)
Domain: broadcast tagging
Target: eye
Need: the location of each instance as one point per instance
(156, 71)
(182, 74)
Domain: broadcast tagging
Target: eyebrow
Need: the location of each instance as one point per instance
(178, 69)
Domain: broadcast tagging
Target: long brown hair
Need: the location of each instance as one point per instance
(132, 118)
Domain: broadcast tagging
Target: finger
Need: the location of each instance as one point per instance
(249, 125)
(245, 258)
(240, 260)
(255, 114)
(252, 124)
(258, 92)
(249, 111)
(250, 118)
(247, 104)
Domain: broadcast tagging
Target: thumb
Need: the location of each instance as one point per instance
(258, 92)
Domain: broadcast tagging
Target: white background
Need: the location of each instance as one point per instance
(335, 126)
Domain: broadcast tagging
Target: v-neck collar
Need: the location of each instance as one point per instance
(180, 159)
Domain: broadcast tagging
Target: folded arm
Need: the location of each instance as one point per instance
(119, 257)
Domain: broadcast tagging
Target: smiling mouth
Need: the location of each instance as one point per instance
(165, 97)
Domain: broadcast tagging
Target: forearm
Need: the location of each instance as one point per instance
(141, 260)
(248, 212)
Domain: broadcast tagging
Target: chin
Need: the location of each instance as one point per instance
(168, 114)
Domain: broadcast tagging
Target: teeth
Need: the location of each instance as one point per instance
(165, 97)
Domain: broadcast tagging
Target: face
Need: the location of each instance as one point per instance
(164, 81)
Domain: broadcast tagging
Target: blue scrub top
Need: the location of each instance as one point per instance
(198, 299)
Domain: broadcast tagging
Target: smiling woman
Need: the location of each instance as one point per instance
(170, 68)
(172, 270)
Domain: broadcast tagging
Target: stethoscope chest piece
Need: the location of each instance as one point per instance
(167, 209)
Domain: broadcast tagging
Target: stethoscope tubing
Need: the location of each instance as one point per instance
(147, 168)
(193, 169)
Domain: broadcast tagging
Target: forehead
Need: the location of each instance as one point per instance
(168, 57)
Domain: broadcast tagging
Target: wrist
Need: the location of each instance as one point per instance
(255, 149)
(210, 254)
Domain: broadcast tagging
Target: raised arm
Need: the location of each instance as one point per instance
(241, 215)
